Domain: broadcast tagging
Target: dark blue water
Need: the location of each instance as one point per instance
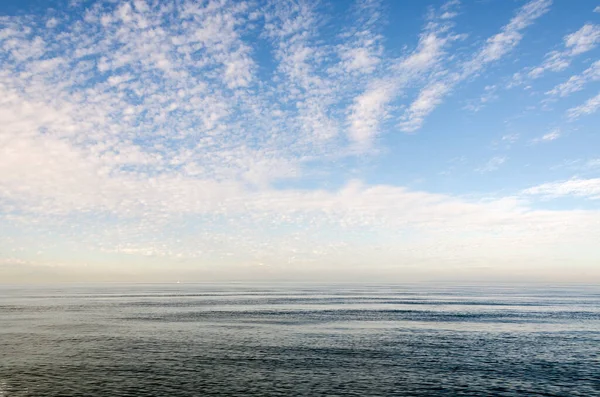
(241, 340)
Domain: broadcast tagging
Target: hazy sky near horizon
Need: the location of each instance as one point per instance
(301, 140)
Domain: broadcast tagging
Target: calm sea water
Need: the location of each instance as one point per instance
(242, 340)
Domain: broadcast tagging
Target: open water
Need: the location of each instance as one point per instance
(299, 340)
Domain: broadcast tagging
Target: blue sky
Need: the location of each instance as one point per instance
(216, 140)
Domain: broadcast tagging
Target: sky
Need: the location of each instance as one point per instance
(307, 140)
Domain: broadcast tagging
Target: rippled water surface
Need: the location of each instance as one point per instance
(342, 340)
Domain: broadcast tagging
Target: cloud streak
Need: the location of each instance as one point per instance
(588, 107)
(494, 49)
(589, 188)
(577, 43)
(576, 82)
(369, 109)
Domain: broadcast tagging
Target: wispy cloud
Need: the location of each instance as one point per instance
(369, 109)
(363, 52)
(492, 165)
(589, 188)
(502, 43)
(577, 43)
(494, 49)
(551, 136)
(593, 163)
(490, 94)
(577, 82)
(588, 107)
(510, 138)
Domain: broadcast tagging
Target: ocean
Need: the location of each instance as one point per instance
(299, 340)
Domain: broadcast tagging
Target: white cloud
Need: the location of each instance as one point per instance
(361, 59)
(428, 52)
(577, 43)
(584, 40)
(577, 82)
(581, 166)
(51, 23)
(502, 43)
(362, 50)
(551, 136)
(317, 228)
(132, 114)
(590, 106)
(588, 188)
(488, 96)
(510, 138)
(493, 164)
(428, 99)
(555, 61)
(369, 109)
(495, 48)
(593, 163)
